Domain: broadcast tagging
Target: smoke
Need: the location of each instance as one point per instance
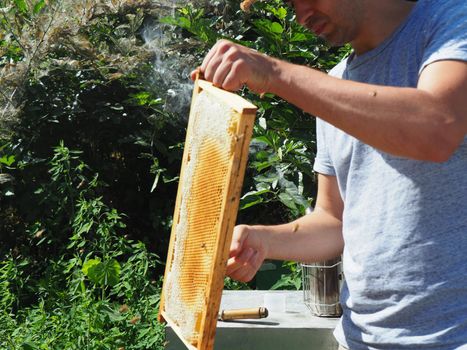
(171, 69)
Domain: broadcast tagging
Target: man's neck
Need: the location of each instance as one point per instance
(383, 17)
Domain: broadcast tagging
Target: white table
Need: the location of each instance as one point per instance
(294, 329)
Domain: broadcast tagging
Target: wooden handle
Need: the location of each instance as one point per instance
(239, 314)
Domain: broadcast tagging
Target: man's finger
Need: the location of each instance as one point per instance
(221, 72)
(240, 260)
(211, 68)
(248, 269)
(232, 266)
(209, 56)
(195, 72)
(231, 81)
(238, 239)
(257, 260)
(244, 275)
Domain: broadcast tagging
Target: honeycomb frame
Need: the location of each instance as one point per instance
(203, 225)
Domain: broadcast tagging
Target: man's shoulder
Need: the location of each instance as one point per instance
(442, 3)
(435, 9)
(447, 3)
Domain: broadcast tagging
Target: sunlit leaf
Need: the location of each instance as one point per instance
(105, 273)
(7, 160)
(156, 181)
(276, 28)
(38, 6)
(253, 198)
(279, 12)
(287, 200)
(21, 5)
(89, 264)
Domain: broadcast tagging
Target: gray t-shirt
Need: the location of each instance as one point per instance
(405, 221)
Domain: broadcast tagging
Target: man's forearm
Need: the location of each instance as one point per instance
(406, 122)
(314, 237)
(428, 122)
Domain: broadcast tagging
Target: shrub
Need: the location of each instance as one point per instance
(77, 281)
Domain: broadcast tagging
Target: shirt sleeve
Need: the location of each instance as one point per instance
(323, 163)
(446, 33)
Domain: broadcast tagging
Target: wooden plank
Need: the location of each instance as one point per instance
(177, 331)
(178, 200)
(230, 208)
(234, 101)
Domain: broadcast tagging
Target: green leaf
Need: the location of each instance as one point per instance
(7, 160)
(252, 198)
(268, 177)
(280, 12)
(259, 166)
(255, 193)
(285, 281)
(85, 228)
(250, 202)
(38, 6)
(287, 200)
(262, 155)
(297, 37)
(276, 28)
(29, 346)
(263, 139)
(21, 5)
(105, 273)
(279, 153)
(156, 181)
(269, 28)
(89, 264)
(113, 315)
(262, 186)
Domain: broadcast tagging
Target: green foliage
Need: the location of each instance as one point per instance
(102, 273)
(192, 19)
(98, 289)
(87, 80)
(291, 280)
(79, 73)
(230, 284)
(280, 183)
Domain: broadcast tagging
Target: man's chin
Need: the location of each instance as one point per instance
(332, 42)
(330, 38)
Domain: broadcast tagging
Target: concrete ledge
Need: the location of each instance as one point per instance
(293, 329)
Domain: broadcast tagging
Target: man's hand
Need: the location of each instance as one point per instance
(247, 252)
(313, 237)
(230, 66)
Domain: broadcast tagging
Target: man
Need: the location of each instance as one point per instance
(391, 164)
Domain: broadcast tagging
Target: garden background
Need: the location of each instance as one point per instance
(94, 98)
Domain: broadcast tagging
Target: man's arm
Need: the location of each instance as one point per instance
(314, 237)
(425, 123)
